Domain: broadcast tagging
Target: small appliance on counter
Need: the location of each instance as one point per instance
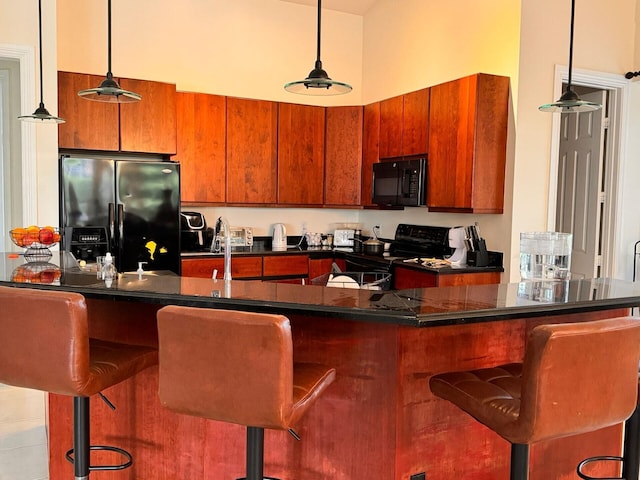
(241, 237)
(194, 234)
(457, 241)
(343, 238)
(279, 238)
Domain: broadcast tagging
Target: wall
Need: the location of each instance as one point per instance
(395, 48)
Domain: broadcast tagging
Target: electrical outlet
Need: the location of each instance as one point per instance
(304, 228)
(418, 476)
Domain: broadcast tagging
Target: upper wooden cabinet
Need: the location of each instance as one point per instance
(148, 126)
(252, 156)
(467, 145)
(300, 154)
(391, 112)
(370, 150)
(88, 125)
(343, 156)
(404, 125)
(201, 147)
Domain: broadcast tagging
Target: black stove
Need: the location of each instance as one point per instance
(410, 241)
(420, 241)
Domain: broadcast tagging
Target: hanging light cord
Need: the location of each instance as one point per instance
(109, 74)
(573, 9)
(40, 33)
(318, 61)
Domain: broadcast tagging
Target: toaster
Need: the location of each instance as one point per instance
(343, 237)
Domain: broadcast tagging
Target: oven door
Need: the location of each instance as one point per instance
(362, 263)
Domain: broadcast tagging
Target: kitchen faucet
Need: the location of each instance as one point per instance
(222, 224)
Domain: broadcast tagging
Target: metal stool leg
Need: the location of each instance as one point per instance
(519, 461)
(255, 455)
(81, 437)
(631, 457)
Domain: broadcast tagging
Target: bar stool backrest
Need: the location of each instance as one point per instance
(225, 365)
(44, 340)
(578, 377)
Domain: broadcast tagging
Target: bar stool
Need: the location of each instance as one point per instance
(552, 393)
(236, 367)
(45, 346)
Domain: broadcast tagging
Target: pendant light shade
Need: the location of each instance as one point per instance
(41, 114)
(109, 90)
(570, 102)
(318, 81)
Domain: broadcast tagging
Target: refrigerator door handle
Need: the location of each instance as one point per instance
(112, 226)
(120, 226)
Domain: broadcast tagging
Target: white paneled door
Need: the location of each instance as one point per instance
(581, 195)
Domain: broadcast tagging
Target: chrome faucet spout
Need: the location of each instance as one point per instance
(222, 224)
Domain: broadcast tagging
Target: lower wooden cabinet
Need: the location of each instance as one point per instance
(285, 266)
(405, 277)
(241, 267)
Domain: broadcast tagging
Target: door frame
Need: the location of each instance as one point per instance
(26, 57)
(615, 149)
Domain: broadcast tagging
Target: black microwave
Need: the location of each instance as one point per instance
(401, 182)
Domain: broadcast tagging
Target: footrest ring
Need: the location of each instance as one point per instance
(120, 466)
(589, 460)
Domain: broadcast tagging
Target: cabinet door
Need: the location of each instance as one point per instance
(251, 151)
(277, 266)
(343, 156)
(415, 125)
(391, 113)
(404, 278)
(89, 125)
(241, 267)
(467, 144)
(319, 267)
(201, 147)
(149, 125)
(371, 150)
(300, 154)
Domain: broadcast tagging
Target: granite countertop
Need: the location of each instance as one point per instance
(423, 307)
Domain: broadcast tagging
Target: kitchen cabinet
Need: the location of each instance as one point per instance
(201, 146)
(407, 277)
(370, 150)
(300, 154)
(391, 112)
(148, 126)
(343, 156)
(241, 267)
(319, 267)
(88, 125)
(285, 266)
(252, 141)
(404, 124)
(467, 145)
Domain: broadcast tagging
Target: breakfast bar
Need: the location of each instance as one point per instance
(378, 420)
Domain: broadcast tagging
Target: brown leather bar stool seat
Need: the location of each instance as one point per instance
(45, 345)
(236, 367)
(575, 378)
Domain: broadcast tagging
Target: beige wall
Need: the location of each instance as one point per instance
(396, 47)
(19, 26)
(243, 48)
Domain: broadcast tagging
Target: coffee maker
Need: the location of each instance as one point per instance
(194, 234)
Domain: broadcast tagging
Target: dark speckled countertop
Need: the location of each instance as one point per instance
(425, 307)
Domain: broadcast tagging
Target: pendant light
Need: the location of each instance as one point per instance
(570, 102)
(318, 82)
(109, 90)
(41, 114)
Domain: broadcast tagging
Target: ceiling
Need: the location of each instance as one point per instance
(357, 7)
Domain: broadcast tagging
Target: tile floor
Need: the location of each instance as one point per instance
(23, 439)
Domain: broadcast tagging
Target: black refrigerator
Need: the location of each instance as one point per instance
(137, 202)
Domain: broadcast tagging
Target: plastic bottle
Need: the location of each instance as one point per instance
(108, 270)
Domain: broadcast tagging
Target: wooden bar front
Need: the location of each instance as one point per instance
(378, 420)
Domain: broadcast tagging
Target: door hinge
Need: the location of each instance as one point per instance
(598, 260)
(602, 197)
(605, 122)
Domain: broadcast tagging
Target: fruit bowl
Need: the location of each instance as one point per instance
(37, 241)
(37, 272)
